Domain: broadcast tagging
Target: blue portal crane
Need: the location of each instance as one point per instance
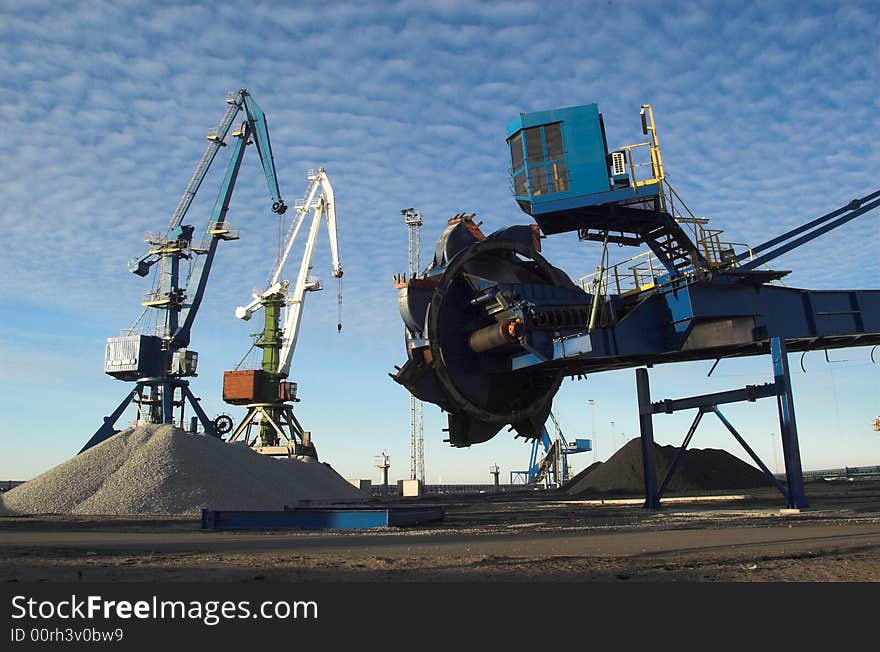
(159, 362)
(492, 327)
(551, 467)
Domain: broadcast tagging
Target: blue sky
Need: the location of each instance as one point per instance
(767, 115)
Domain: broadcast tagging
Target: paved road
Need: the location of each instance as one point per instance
(788, 538)
(538, 540)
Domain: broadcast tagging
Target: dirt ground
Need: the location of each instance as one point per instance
(529, 537)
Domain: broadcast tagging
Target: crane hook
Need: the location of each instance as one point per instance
(339, 305)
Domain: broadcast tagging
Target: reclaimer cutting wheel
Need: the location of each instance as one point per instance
(481, 299)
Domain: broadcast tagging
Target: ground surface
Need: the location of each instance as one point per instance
(741, 538)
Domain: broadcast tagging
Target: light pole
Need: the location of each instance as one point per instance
(775, 459)
(613, 437)
(593, 415)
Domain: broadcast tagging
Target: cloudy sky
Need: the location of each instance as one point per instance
(767, 115)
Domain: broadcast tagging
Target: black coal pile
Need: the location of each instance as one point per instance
(699, 470)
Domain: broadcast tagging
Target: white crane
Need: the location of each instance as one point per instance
(320, 199)
(264, 391)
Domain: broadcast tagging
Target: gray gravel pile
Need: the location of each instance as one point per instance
(160, 469)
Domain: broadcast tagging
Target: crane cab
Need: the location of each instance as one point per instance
(560, 165)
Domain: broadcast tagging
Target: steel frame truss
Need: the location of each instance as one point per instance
(793, 490)
(164, 388)
(282, 420)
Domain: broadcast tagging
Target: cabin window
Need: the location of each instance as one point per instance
(553, 134)
(538, 180)
(516, 153)
(559, 176)
(520, 187)
(534, 145)
(537, 158)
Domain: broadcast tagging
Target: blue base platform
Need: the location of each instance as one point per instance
(320, 518)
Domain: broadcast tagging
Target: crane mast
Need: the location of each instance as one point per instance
(270, 426)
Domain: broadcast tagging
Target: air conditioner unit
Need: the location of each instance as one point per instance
(618, 163)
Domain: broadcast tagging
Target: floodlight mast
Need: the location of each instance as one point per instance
(413, 220)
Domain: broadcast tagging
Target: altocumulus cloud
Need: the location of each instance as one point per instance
(767, 117)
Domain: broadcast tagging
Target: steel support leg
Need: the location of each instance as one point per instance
(680, 454)
(167, 402)
(646, 429)
(307, 447)
(108, 429)
(206, 422)
(244, 427)
(296, 425)
(794, 474)
(749, 450)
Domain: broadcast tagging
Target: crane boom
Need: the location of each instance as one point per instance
(216, 140)
(216, 229)
(254, 127)
(323, 205)
(260, 128)
(291, 238)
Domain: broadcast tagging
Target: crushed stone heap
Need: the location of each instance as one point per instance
(160, 469)
(699, 470)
